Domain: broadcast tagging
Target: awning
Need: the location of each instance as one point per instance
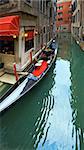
(9, 26)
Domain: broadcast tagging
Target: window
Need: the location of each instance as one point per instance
(60, 19)
(44, 30)
(3, 1)
(73, 19)
(78, 15)
(64, 28)
(41, 5)
(60, 28)
(29, 40)
(29, 44)
(44, 6)
(83, 38)
(50, 12)
(38, 38)
(60, 14)
(7, 45)
(60, 7)
(29, 1)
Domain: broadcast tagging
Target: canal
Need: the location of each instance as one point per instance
(51, 115)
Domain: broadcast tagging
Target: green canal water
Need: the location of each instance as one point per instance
(51, 115)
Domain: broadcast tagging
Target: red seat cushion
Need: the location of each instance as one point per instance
(39, 70)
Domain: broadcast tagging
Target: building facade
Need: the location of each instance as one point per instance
(63, 16)
(27, 26)
(77, 26)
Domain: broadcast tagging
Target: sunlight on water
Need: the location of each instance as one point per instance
(43, 124)
(56, 112)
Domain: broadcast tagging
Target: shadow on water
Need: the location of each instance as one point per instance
(22, 126)
(4, 88)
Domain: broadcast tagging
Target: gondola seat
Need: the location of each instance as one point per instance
(40, 69)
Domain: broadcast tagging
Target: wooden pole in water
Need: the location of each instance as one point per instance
(15, 72)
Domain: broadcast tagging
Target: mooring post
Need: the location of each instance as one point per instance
(30, 56)
(15, 71)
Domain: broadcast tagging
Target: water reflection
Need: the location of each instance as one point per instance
(77, 71)
(50, 117)
(64, 41)
(42, 127)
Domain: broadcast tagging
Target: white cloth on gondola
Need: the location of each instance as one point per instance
(32, 77)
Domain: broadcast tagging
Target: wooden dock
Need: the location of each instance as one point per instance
(7, 78)
(10, 78)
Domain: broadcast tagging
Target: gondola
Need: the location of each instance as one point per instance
(35, 74)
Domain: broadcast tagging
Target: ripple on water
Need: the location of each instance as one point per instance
(42, 125)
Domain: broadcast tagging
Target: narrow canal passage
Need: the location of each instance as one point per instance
(51, 116)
